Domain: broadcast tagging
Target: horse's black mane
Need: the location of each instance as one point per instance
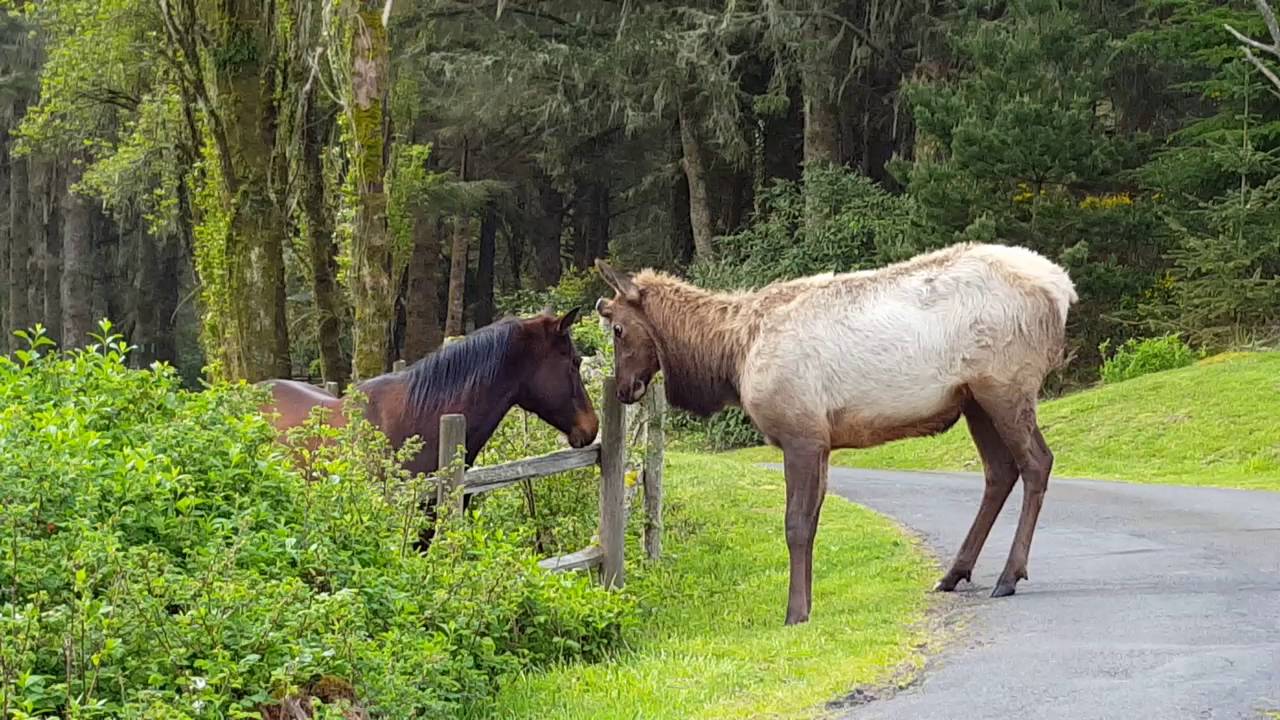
(473, 361)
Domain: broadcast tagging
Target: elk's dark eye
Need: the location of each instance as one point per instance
(617, 331)
(577, 361)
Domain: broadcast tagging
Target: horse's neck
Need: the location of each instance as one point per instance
(486, 408)
(703, 340)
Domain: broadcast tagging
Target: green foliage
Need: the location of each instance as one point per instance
(1218, 175)
(1137, 357)
(164, 559)
(861, 226)
(1026, 154)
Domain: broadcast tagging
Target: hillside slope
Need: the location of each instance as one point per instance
(1214, 423)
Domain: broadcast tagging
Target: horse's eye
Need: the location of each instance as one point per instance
(617, 331)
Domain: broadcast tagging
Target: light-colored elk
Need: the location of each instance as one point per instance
(859, 359)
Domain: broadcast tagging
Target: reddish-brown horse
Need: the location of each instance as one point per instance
(530, 363)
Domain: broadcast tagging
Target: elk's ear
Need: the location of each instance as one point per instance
(565, 323)
(602, 308)
(619, 281)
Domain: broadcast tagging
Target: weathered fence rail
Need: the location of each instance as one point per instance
(609, 454)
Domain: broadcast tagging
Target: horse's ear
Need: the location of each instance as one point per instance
(619, 281)
(566, 323)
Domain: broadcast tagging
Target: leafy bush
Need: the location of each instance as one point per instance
(577, 289)
(860, 226)
(163, 558)
(1138, 357)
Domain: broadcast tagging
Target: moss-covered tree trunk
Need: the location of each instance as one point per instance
(374, 293)
(321, 248)
(242, 257)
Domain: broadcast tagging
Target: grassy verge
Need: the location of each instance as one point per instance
(713, 644)
(1215, 423)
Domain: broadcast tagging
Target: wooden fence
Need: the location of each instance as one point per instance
(609, 453)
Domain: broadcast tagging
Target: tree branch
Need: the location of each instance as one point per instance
(1273, 26)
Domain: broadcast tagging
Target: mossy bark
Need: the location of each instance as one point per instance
(254, 335)
(374, 293)
(321, 248)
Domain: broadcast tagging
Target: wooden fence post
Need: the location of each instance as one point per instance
(398, 365)
(453, 435)
(613, 451)
(655, 442)
(331, 387)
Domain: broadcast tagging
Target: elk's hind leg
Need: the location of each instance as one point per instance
(1000, 472)
(1015, 419)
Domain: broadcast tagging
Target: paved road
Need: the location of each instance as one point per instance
(1144, 602)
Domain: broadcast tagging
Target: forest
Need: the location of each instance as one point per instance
(316, 188)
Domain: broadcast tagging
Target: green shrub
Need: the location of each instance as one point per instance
(1138, 357)
(163, 558)
(860, 226)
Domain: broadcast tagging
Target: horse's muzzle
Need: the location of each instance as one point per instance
(584, 430)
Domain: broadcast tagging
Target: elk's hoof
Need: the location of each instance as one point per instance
(1003, 589)
(949, 581)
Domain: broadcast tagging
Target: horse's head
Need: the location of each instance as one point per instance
(635, 352)
(554, 389)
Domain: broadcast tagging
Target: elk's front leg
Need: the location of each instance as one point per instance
(806, 471)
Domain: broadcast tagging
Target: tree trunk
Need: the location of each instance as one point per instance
(821, 107)
(682, 231)
(515, 253)
(483, 311)
(77, 269)
(38, 175)
(241, 269)
(374, 293)
(422, 332)
(20, 317)
(322, 251)
(453, 323)
(548, 228)
(695, 172)
(821, 129)
(53, 258)
(6, 329)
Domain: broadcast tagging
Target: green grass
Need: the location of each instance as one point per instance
(713, 645)
(1214, 423)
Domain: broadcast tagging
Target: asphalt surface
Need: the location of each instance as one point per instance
(1143, 602)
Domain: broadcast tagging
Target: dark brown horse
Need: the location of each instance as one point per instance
(529, 363)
